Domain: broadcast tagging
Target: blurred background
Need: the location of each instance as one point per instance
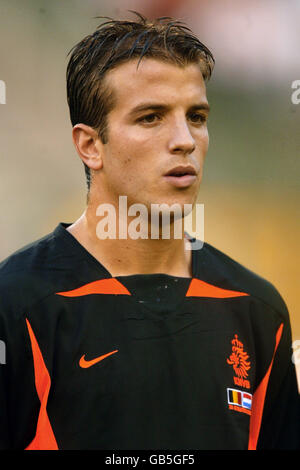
(251, 183)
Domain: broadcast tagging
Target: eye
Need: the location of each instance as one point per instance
(198, 118)
(149, 118)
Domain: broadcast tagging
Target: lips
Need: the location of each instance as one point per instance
(181, 176)
(181, 170)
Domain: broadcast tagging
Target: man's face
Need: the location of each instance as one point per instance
(158, 124)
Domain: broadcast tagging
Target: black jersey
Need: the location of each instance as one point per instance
(142, 361)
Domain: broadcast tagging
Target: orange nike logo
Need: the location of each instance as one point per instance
(84, 364)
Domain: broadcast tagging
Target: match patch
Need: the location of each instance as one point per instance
(239, 401)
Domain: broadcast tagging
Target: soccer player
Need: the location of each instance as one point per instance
(130, 342)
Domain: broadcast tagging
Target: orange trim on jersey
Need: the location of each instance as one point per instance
(258, 400)
(200, 288)
(44, 438)
(102, 286)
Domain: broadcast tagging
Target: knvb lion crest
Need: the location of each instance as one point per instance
(240, 363)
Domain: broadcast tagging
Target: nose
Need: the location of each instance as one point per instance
(181, 140)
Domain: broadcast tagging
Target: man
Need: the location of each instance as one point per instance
(141, 342)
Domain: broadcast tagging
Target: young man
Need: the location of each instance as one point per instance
(141, 343)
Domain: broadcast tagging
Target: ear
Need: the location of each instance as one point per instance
(88, 146)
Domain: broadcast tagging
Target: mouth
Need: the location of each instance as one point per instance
(181, 176)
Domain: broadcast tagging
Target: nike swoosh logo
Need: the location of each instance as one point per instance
(85, 364)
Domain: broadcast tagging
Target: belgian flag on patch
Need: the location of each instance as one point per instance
(234, 396)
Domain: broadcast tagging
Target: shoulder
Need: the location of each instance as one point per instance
(31, 272)
(218, 268)
(28, 256)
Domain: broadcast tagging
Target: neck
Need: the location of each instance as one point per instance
(124, 257)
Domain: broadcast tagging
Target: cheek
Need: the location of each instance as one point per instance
(205, 140)
(131, 155)
(203, 146)
(125, 172)
(131, 140)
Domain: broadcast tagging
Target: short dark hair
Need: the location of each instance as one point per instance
(115, 42)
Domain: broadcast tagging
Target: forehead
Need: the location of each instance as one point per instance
(155, 79)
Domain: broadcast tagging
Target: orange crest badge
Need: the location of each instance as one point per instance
(240, 363)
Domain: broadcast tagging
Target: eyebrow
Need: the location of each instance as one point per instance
(161, 107)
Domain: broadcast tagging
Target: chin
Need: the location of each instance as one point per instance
(176, 207)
